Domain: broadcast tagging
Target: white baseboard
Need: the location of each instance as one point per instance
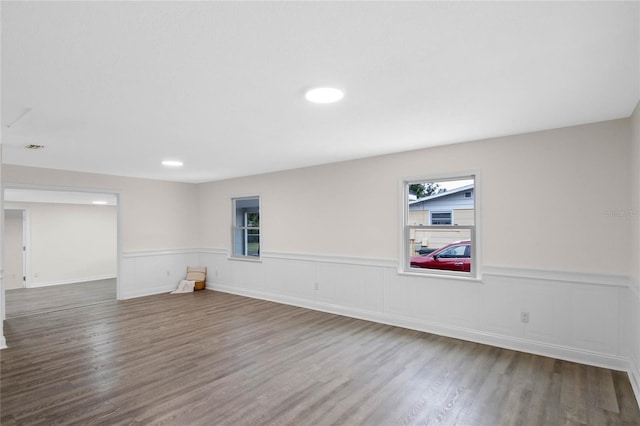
(132, 294)
(70, 281)
(634, 378)
(3, 343)
(506, 342)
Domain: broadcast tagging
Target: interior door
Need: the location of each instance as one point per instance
(14, 249)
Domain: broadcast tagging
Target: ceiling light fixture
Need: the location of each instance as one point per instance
(99, 203)
(172, 163)
(324, 95)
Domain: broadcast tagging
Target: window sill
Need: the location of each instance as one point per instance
(253, 259)
(436, 275)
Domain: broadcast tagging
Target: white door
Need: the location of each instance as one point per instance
(13, 246)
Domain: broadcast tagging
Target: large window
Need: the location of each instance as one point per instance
(439, 226)
(246, 228)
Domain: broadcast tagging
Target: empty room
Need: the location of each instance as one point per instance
(354, 213)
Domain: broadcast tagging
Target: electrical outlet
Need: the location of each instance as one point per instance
(168, 273)
(524, 316)
(316, 286)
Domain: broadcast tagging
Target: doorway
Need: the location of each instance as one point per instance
(15, 249)
(62, 249)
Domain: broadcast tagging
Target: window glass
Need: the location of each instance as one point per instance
(246, 227)
(454, 252)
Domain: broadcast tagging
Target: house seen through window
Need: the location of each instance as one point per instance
(439, 226)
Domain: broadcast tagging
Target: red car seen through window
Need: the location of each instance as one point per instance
(452, 257)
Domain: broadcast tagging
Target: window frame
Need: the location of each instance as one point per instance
(244, 228)
(404, 267)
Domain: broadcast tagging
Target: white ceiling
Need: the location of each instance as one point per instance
(117, 87)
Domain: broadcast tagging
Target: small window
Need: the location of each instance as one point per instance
(439, 227)
(246, 228)
(441, 218)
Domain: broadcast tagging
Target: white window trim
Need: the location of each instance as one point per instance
(245, 258)
(245, 234)
(404, 234)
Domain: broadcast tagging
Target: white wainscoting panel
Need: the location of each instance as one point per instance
(595, 318)
(630, 301)
(500, 312)
(143, 273)
(351, 286)
(434, 300)
(295, 279)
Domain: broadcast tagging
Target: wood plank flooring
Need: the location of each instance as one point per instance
(210, 358)
(28, 301)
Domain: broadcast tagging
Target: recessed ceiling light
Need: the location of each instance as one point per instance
(324, 95)
(99, 203)
(172, 163)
